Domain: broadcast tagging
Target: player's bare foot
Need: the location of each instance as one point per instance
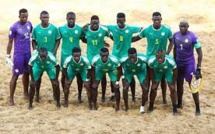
(150, 109)
(95, 107)
(30, 107)
(37, 99)
(164, 101)
(198, 113)
(103, 99)
(117, 108)
(66, 104)
(179, 106)
(11, 102)
(112, 98)
(90, 106)
(58, 105)
(25, 96)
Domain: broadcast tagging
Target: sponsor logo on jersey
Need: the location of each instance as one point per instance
(16, 70)
(127, 31)
(28, 27)
(165, 67)
(138, 64)
(76, 31)
(100, 34)
(133, 70)
(186, 40)
(109, 64)
(81, 64)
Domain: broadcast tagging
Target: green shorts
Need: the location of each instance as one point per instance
(37, 72)
(63, 58)
(168, 74)
(71, 74)
(112, 74)
(141, 76)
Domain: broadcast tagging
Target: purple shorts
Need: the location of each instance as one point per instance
(185, 71)
(20, 62)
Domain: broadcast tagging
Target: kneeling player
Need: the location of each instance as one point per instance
(163, 65)
(73, 65)
(135, 64)
(105, 63)
(40, 62)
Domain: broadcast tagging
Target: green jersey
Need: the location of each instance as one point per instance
(110, 65)
(122, 39)
(46, 37)
(80, 66)
(43, 64)
(169, 64)
(136, 67)
(95, 41)
(156, 38)
(70, 38)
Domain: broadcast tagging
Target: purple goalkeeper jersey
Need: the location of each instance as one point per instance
(184, 47)
(21, 35)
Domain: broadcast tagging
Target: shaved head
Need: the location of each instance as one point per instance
(183, 23)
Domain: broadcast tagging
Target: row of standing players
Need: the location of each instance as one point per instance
(46, 37)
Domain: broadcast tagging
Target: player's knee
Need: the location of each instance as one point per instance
(95, 86)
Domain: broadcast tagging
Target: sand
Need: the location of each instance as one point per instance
(77, 119)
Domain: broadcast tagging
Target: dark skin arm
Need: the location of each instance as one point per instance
(174, 52)
(135, 38)
(56, 46)
(65, 72)
(170, 46)
(34, 44)
(31, 72)
(175, 75)
(200, 55)
(9, 46)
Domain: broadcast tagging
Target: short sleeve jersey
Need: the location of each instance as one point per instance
(21, 35)
(122, 39)
(70, 38)
(83, 64)
(156, 38)
(46, 37)
(95, 41)
(110, 65)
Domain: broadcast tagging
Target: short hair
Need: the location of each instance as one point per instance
(94, 17)
(156, 14)
(70, 13)
(43, 50)
(104, 50)
(43, 12)
(23, 10)
(160, 51)
(76, 50)
(132, 50)
(120, 15)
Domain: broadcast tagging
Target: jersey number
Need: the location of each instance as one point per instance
(45, 39)
(121, 38)
(95, 42)
(71, 39)
(156, 41)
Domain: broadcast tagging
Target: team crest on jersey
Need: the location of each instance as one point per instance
(50, 32)
(47, 62)
(162, 33)
(165, 67)
(81, 64)
(16, 70)
(28, 27)
(126, 31)
(160, 70)
(42, 66)
(76, 31)
(138, 64)
(186, 40)
(109, 64)
(133, 70)
(100, 34)
(77, 69)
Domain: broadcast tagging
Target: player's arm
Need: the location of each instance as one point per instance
(9, 46)
(31, 72)
(83, 38)
(135, 38)
(200, 55)
(56, 46)
(174, 51)
(170, 46)
(34, 44)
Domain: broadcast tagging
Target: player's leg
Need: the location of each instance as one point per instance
(95, 93)
(37, 99)
(25, 77)
(67, 85)
(12, 88)
(153, 95)
(164, 88)
(114, 80)
(63, 77)
(80, 86)
(18, 67)
(191, 69)
(143, 79)
(132, 86)
(126, 83)
(104, 85)
(36, 72)
(52, 73)
(172, 88)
